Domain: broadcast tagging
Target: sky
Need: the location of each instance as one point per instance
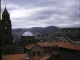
(43, 13)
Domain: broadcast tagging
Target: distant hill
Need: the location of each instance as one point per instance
(71, 33)
(48, 33)
(35, 30)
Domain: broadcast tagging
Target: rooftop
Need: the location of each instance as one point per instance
(30, 46)
(19, 57)
(67, 45)
(15, 57)
(45, 57)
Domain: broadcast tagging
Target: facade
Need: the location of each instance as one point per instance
(27, 38)
(6, 38)
(6, 33)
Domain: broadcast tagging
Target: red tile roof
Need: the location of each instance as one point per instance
(42, 44)
(67, 45)
(45, 57)
(15, 57)
(30, 46)
(35, 57)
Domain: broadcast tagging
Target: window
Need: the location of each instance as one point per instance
(6, 22)
(7, 51)
(6, 33)
(29, 40)
(38, 53)
(6, 27)
(45, 50)
(6, 42)
(5, 18)
(33, 53)
(0, 39)
(24, 40)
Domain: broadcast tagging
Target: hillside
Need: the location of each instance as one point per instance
(35, 30)
(63, 34)
(72, 33)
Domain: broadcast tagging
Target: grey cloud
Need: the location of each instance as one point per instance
(53, 8)
(41, 17)
(38, 3)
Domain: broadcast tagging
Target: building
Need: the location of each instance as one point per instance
(27, 38)
(6, 38)
(31, 50)
(50, 51)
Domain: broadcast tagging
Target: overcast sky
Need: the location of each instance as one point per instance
(42, 13)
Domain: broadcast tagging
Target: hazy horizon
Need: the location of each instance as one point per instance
(45, 27)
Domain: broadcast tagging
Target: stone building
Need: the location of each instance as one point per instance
(6, 38)
(27, 38)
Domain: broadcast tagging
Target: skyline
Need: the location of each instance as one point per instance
(41, 13)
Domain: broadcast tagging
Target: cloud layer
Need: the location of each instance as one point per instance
(42, 13)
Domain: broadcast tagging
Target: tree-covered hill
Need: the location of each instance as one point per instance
(63, 34)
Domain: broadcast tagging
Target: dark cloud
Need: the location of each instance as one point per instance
(32, 13)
